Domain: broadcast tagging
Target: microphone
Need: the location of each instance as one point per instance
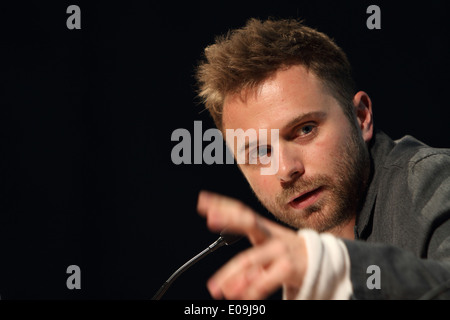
(224, 239)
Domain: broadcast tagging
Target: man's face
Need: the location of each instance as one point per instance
(323, 160)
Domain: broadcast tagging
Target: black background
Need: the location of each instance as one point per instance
(86, 118)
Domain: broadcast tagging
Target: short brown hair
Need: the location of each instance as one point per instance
(244, 58)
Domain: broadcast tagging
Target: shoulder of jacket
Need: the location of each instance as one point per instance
(409, 151)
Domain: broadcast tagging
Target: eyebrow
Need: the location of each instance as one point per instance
(301, 117)
(313, 114)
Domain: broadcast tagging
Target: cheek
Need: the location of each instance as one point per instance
(324, 153)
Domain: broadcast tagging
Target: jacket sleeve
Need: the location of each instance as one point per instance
(401, 275)
(417, 262)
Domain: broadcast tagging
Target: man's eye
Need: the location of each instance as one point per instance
(306, 129)
(264, 151)
(260, 152)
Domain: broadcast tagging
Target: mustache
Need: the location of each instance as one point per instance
(301, 185)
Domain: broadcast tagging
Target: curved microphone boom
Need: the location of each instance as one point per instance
(224, 239)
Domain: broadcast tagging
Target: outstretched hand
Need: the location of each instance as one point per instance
(278, 256)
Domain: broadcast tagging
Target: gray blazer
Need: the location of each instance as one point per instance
(403, 227)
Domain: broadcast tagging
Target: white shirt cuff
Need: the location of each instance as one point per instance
(327, 274)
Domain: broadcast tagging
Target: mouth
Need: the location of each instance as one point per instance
(305, 199)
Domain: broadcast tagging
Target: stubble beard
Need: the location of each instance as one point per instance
(341, 196)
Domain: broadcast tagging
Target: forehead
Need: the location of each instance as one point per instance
(286, 94)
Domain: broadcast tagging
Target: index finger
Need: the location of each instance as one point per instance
(223, 212)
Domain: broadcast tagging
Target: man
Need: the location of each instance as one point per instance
(339, 181)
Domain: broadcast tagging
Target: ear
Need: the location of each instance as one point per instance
(363, 109)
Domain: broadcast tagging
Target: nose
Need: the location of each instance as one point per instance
(290, 164)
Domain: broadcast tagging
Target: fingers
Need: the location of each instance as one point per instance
(278, 256)
(255, 273)
(241, 270)
(223, 212)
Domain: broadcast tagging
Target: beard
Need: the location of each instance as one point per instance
(341, 194)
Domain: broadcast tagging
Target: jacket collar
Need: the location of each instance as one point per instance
(379, 148)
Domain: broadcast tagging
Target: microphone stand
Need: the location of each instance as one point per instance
(224, 239)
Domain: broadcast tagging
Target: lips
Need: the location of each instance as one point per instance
(305, 199)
